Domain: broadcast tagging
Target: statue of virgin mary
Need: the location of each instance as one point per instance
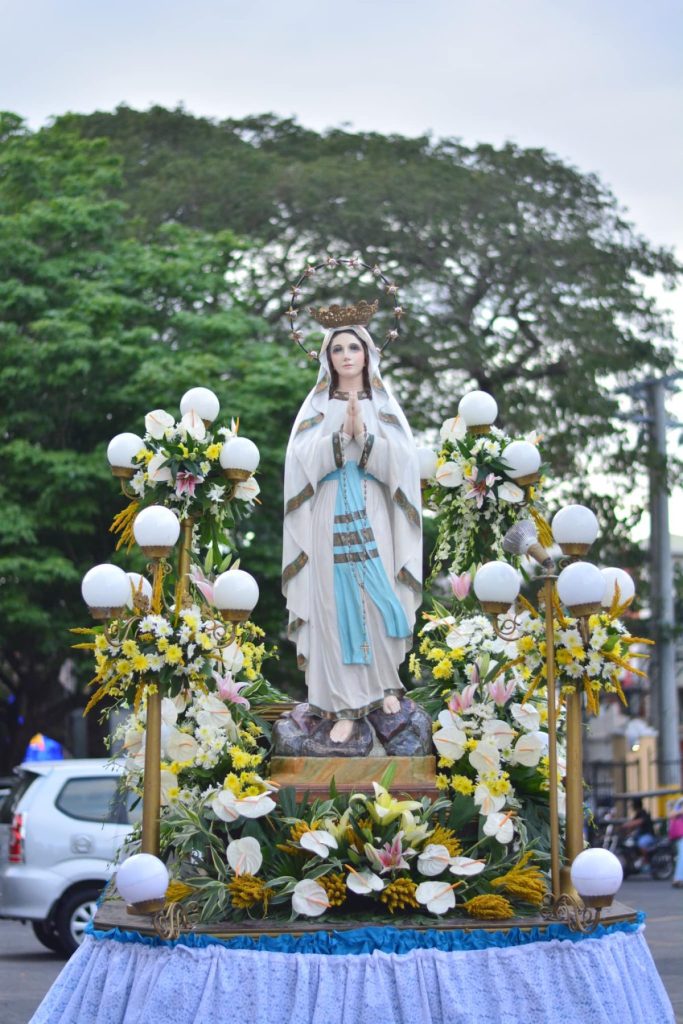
(352, 551)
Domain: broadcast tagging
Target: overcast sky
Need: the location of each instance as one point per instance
(598, 82)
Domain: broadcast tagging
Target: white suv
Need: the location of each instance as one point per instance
(60, 828)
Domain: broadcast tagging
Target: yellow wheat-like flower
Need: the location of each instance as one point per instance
(490, 906)
(177, 891)
(123, 523)
(399, 894)
(247, 890)
(446, 837)
(525, 882)
(335, 888)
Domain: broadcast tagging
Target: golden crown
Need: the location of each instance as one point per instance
(345, 316)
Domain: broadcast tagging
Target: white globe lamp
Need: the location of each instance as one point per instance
(139, 588)
(575, 528)
(496, 585)
(523, 460)
(156, 530)
(597, 875)
(120, 452)
(142, 881)
(478, 410)
(105, 589)
(614, 578)
(427, 460)
(239, 458)
(581, 587)
(235, 594)
(202, 401)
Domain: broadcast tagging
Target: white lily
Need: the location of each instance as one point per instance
(412, 832)
(527, 716)
(433, 860)
(364, 882)
(309, 898)
(450, 742)
(319, 842)
(157, 423)
(438, 897)
(244, 855)
(466, 866)
(449, 474)
(500, 827)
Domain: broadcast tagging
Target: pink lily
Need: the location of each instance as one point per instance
(185, 483)
(202, 583)
(390, 857)
(460, 585)
(460, 702)
(229, 690)
(500, 691)
(481, 491)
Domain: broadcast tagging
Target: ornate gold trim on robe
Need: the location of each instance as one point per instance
(295, 566)
(410, 512)
(297, 501)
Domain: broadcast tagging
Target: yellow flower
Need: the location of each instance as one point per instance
(205, 641)
(458, 653)
(441, 781)
(140, 663)
(247, 890)
(129, 648)
(399, 894)
(100, 642)
(174, 655)
(527, 643)
(213, 451)
(461, 784)
(489, 906)
(444, 670)
(446, 837)
(445, 762)
(470, 744)
(414, 666)
(162, 644)
(526, 883)
(425, 645)
(184, 450)
(144, 455)
(435, 654)
(240, 758)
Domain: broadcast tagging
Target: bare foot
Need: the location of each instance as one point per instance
(341, 730)
(391, 705)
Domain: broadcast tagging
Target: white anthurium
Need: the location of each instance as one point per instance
(214, 713)
(449, 719)
(561, 802)
(169, 711)
(499, 826)
(527, 716)
(466, 866)
(453, 429)
(486, 801)
(438, 897)
(179, 702)
(449, 474)
(244, 855)
(232, 658)
(529, 748)
(193, 424)
(157, 472)
(134, 741)
(256, 806)
(500, 732)
(511, 493)
(228, 807)
(309, 898)
(364, 882)
(168, 782)
(180, 746)
(433, 860)
(432, 624)
(450, 742)
(247, 490)
(319, 842)
(485, 757)
(224, 805)
(157, 423)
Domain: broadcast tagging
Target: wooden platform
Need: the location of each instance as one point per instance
(415, 776)
(113, 914)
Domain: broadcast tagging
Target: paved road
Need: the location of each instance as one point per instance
(27, 969)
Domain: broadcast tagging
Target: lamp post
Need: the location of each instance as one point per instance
(582, 588)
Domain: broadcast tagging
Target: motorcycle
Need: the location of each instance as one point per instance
(659, 862)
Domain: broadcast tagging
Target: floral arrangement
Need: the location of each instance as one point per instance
(359, 856)
(491, 735)
(178, 466)
(475, 499)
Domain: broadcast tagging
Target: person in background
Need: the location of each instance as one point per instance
(676, 836)
(640, 825)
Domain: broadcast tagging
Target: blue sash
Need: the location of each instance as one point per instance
(356, 560)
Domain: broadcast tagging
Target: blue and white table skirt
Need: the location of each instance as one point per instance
(366, 976)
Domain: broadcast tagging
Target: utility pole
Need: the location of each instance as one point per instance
(663, 682)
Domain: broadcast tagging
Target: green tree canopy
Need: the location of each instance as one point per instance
(96, 328)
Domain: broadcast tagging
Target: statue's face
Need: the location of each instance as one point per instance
(347, 357)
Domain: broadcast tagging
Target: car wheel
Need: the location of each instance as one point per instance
(45, 933)
(74, 913)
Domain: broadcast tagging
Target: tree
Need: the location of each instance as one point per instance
(521, 274)
(96, 328)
